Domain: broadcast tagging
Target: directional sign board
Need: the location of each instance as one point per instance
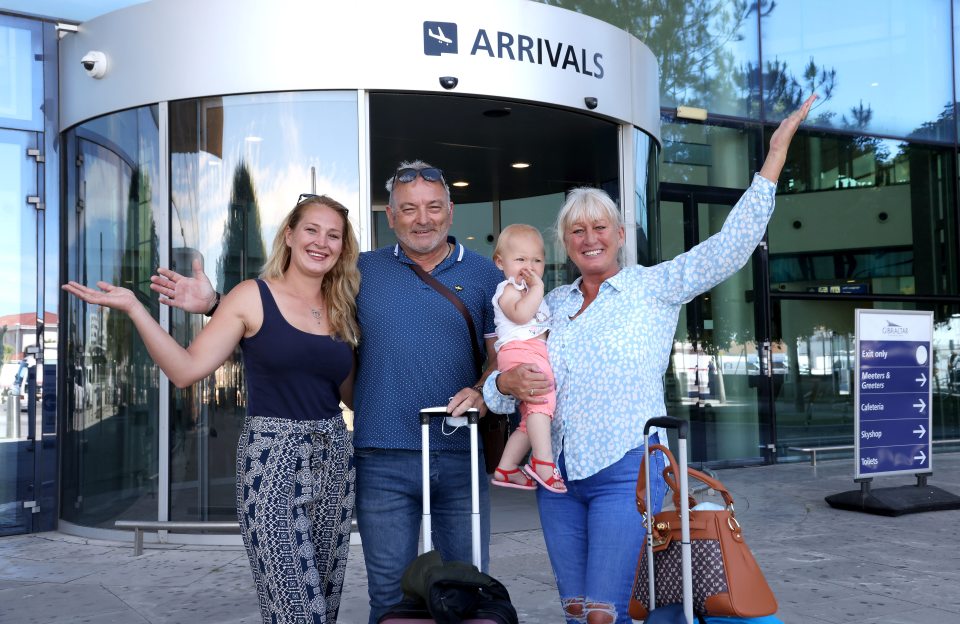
(893, 394)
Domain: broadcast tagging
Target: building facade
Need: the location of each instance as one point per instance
(194, 146)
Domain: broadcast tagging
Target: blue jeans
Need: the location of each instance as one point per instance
(594, 536)
(389, 510)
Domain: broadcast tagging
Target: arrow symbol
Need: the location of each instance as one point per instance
(922, 457)
(921, 405)
(922, 379)
(920, 431)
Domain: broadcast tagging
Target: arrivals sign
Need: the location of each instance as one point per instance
(893, 392)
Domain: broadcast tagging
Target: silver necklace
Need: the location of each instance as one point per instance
(317, 315)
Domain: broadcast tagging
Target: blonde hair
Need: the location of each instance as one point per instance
(341, 284)
(586, 204)
(512, 231)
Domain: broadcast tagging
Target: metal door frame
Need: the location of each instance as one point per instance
(689, 196)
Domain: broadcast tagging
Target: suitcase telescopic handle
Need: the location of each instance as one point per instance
(472, 414)
(473, 417)
(667, 422)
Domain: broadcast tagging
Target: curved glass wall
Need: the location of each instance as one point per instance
(110, 453)
(237, 166)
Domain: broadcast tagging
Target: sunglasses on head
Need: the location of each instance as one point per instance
(409, 174)
(308, 196)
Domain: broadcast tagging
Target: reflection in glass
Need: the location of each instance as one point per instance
(707, 155)
(864, 215)
(238, 165)
(706, 49)
(814, 378)
(879, 65)
(712, 376)
(21, 74)
(18, 324)
(645, 194)
(110, 458)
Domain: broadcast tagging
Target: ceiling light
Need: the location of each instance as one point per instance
(520, 165)
(460, 183)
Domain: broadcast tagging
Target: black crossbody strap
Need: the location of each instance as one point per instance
(455, 300)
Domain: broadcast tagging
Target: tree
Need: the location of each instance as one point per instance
(243, 249)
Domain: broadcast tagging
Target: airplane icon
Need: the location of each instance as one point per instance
(439, 36)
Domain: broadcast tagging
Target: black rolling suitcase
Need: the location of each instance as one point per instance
(454, 591)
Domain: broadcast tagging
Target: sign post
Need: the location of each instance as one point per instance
(894, 367)
(892, 408)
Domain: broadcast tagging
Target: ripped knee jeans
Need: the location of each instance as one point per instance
(594, 535)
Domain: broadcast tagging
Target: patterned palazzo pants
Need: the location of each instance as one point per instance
(295, 501)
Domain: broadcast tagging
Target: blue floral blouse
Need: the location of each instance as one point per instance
(609, 362)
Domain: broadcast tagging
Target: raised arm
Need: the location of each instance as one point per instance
(205, 354)
(780, 141)
(190, 294)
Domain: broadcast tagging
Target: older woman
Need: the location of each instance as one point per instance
(610, 341)
(297, 328)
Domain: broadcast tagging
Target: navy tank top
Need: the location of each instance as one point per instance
(291, 373)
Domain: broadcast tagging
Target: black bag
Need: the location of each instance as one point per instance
(493, 432)
(453, 591)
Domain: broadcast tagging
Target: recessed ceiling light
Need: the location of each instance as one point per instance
(520, 165)
(471, 238)
(460, 183)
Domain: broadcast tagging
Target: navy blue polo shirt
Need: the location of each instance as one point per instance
(415, 346)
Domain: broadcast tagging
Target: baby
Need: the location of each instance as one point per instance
(522, 319)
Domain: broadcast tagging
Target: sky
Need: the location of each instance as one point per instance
(71, 10)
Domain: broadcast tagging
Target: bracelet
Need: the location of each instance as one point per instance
(478, 388)
(216, 303)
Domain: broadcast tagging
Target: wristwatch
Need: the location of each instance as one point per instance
(216, 302)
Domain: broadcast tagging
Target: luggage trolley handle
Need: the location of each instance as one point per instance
(668, 422)
(473, 417)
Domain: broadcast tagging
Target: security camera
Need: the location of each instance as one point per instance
(591, 102)
(95, 64)
(448, 82)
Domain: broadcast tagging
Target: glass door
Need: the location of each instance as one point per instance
(722, 367)
(19, 325)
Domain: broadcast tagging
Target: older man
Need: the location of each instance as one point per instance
(415, 351)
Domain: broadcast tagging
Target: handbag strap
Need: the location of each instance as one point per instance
(669, 477)
(434, 283)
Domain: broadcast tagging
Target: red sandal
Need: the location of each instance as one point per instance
(554, 483)
(528, 484)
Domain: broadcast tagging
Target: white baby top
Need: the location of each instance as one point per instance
(507, 330)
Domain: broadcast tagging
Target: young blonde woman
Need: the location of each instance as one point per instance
(297, 328)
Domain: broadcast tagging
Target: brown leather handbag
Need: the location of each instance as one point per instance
(726, 579)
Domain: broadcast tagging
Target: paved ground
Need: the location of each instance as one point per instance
(824, 565)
